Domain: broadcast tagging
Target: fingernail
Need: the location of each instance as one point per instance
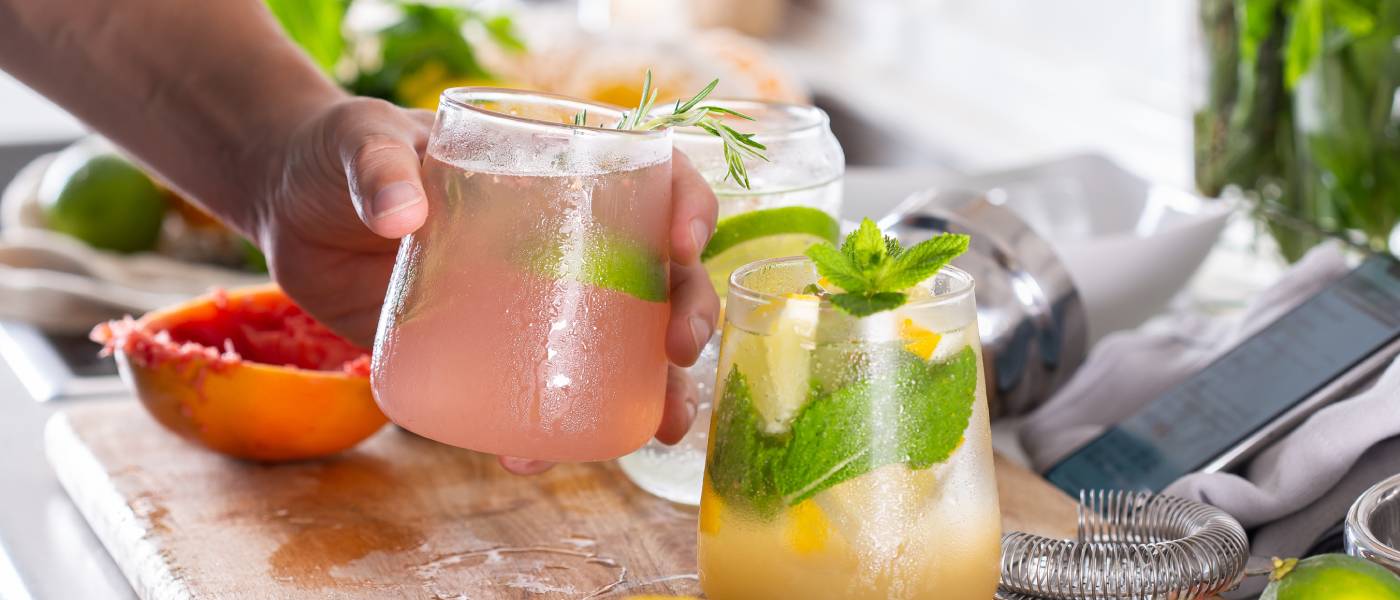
(394, 198)
(701, 232)
(691, 407)
(701, 330)
(523, 466)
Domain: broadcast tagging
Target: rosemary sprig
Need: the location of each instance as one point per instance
(737, 145)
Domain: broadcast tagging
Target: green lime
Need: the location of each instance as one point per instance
(253, 258)
(1331, 577)
(615, 263)
(103, 200)
(767, 233)
(609, 261)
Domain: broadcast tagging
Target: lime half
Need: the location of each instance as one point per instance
(767, 233)
(1331, 577)
(608, 261)
(103, 200)
(618, 264)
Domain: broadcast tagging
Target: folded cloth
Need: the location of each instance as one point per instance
(1294, 491)
(1128, 369)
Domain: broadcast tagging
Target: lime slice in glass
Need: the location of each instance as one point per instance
(616, 264)
(608, 261)
(767, 233)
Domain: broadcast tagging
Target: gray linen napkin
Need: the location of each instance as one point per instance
(1292, 492)
(1128, 369)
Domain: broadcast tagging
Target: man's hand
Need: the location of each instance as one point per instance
(346, 185)
(340, 193)
(262, 139)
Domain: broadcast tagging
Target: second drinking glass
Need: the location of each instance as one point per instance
(527, 317)
(850, 457)
(794, 201)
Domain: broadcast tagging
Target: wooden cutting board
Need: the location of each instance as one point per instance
(398, 517)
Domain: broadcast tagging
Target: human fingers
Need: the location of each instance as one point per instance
(693, 211)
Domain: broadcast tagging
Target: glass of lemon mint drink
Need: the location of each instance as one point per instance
(850, 450)
(527, 317)
(786, 204)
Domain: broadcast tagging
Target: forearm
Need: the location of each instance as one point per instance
(199, 91)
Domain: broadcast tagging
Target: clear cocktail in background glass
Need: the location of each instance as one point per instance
(850, 457)
(793, 201)
(527, 317)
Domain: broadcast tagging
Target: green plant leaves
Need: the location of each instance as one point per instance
(915, 414)
(1304, 40)
(837, 268)
(737, 145)
(315, 25)
(873, 270)
(924, 259)
(864, 305)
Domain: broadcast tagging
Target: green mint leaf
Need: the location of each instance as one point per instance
(892, 247)
(743, 458)
(866, 246)
(922, 260)
(831, 443)
(862, 305)
(837, 267)
(882, 267)
(836, 439)
(916, 416)
(933, 425)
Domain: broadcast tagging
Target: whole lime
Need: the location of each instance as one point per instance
(94, 194)
(1331, 577)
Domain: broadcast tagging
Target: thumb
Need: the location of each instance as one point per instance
(383, 173)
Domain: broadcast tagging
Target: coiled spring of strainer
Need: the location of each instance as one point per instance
(1131, 545)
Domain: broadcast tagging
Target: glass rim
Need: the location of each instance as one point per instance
(813, 118)
(1359, 516)
(454, 97)
(965, 284)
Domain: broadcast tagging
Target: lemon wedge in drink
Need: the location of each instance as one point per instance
(711, 510)
(919, 340)
(777, 361)
(807, 528)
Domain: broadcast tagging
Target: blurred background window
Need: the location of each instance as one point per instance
(972, 84)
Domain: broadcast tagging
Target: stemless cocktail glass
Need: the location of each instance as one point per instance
(793, 201)
(527, 317)
(849, 457)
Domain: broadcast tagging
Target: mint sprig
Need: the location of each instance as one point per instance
(835, 438)
(873, 270)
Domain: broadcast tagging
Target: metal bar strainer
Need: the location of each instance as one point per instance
(1130, 546)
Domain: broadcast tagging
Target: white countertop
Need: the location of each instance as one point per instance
(46, 548)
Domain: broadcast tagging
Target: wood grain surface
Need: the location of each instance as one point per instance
(398, 517)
